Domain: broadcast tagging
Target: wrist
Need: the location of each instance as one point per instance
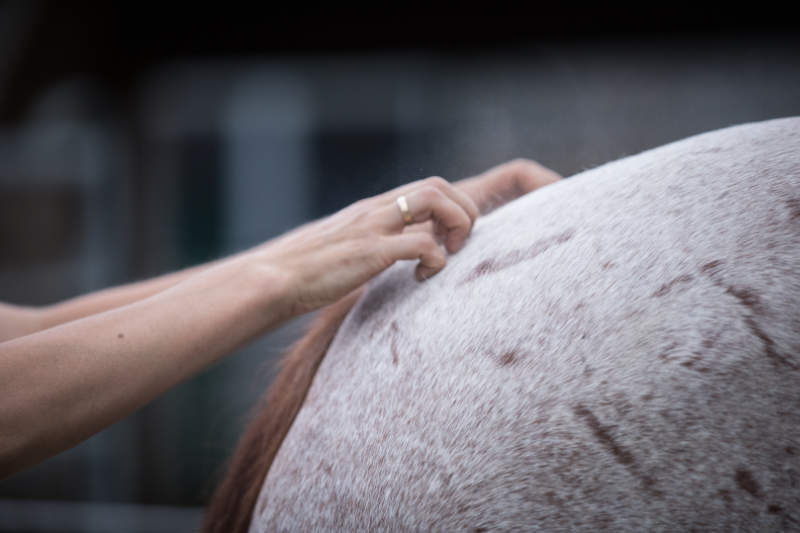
(269, 284)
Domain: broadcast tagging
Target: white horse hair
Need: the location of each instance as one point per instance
(618, 351)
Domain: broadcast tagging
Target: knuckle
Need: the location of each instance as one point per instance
(428, 244)
(437, 182)
(383, 250)
(361, 221)
(522, 162)
(521, 167)
(430, 194)
(361, 207)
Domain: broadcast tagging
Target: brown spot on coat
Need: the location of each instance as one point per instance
(747, 298)
(602, 434)
(508, 358)
(750, 299)
(712, 267)
(514, 257)
(395, 332)
(747, 482)
(623, 456)
(794, 208)
(769, 345)
(602, 522)
(665, 355)
(667, 287)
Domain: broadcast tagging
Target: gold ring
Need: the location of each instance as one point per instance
(403, 205)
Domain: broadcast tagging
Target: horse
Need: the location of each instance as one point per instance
(617, 351)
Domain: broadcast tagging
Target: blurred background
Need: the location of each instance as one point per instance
(137, 138)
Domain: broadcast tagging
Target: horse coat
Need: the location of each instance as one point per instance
(618, 351)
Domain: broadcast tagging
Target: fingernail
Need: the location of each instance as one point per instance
(425, 273)
(455, 246)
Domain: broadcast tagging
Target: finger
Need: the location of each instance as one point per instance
(506, 182)
(425, 204)
(460, 197)
(457, 195)
(416, 245)
(446, 216)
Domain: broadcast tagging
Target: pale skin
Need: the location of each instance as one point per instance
(71, 369)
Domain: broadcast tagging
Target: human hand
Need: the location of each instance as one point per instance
(506, 182)
(498, 186)
(323, 261)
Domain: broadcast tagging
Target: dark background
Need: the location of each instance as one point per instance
(138, 138)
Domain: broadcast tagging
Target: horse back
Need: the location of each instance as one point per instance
(619, 351)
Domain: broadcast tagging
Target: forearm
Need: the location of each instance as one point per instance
(61, 385)
(104, 300)
(41, 318)
(16, 321)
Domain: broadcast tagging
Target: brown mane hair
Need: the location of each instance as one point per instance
(231, 506)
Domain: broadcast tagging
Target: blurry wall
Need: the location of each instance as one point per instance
(197, 157)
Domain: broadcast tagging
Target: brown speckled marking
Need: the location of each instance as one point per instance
(508, 358)
(750, 299)
(395, 332)
(708, 343)
(664, 289)
(623, 456)
(794, 208)
(769, 345)
(747, 298)
(665, 355)
(513, 257)
(326, 467)
(711, 268)
(745, 480)
(372, 306)
(602, 522)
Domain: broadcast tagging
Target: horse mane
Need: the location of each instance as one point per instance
(231, 506)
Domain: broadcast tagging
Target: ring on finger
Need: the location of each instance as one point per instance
(402, 204)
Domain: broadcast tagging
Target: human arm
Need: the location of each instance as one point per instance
(488, 190)
(62, 384)
(16, 321)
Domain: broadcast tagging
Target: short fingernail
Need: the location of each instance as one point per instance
(424, 273)
(454, 244)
